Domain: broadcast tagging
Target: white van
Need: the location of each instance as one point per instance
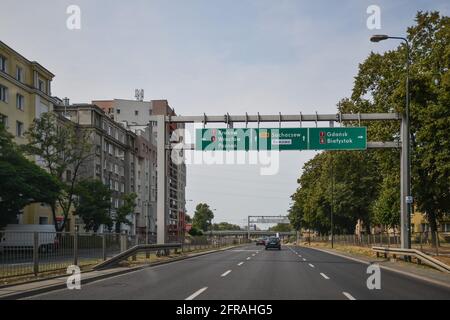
(21, 237)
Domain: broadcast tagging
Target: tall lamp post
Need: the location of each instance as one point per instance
(406, 198)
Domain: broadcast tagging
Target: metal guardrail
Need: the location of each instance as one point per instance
(135, 250)
(420, 256)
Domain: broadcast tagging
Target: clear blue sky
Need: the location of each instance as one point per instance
(211, 56)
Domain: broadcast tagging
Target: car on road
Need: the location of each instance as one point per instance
(261, 242)
(273, 243)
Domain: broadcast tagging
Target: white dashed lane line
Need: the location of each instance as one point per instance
(196, 294)
(248, 258)
(225, 273)
(304, 259)
(240, 264)
(348, 295)
(325, 276)
(311, 265)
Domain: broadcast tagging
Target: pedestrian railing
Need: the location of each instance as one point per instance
(37, 253)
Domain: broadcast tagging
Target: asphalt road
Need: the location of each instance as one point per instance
(252, 273)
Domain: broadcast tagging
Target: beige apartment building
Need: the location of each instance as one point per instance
(25, 93)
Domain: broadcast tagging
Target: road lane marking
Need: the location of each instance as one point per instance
(348, 295)
(225, 273)
(311, 265)
(253, 255)
(248, 258)
(300, 255)
(324, 275)
(304, 259)
(197, 293)
(240, 264)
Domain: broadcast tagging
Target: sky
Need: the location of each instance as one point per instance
(213, 57)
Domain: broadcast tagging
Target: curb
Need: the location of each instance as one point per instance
(405, 273)
(49, 288)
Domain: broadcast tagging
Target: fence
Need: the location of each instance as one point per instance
(422, 241)
(34, 253)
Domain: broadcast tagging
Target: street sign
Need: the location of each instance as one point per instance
(343, 138)
(252, 139)
(409, 199)
(281, 139)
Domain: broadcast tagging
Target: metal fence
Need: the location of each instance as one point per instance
(422, 241)
(35, 253)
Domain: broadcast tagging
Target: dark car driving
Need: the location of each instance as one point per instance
(261, 241)
(273, 243)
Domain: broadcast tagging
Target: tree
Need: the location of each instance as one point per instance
(188, 218)
(202, 217)
(127, 208)
(281, 227)
(92, 204)
(63, 149)
(22, 182)
(195, 232)
(225, 226)
(380, 87)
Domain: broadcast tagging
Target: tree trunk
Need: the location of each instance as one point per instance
(433, 227)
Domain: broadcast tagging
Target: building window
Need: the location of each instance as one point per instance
(110, 147)
(4, 120)
(19, 129)
(41, 85)
(136, 113)
(116, 169)
(122, 187)
(20, 101)
(3, 64)
(43, 220)
(3, 94)
(118, 111)
(19, 74)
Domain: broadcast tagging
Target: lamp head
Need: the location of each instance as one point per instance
(379, 37)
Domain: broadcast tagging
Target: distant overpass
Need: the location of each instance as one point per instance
(252, 233)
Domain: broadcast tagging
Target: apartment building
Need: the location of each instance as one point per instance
(136, 116)
(25, 93)
(113, 157)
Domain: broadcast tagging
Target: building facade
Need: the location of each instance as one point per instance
(25, 93)
(113, 155)
(136, 116)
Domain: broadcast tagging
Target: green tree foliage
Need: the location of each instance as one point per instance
(21, 181)
(92, 204)
(225, 226)
(342, 181)
(127, 208)
(202, 217)
(380, 87)
(63, 148)
(281, 227)
(195, 232)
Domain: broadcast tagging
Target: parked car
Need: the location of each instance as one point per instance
(21, 237)
(273, 243)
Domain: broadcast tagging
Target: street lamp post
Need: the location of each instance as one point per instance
(406, 199)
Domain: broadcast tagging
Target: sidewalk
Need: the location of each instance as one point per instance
(23, 290)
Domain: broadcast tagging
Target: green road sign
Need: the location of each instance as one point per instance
(342, 138)
(252, 139)
(281, 139)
